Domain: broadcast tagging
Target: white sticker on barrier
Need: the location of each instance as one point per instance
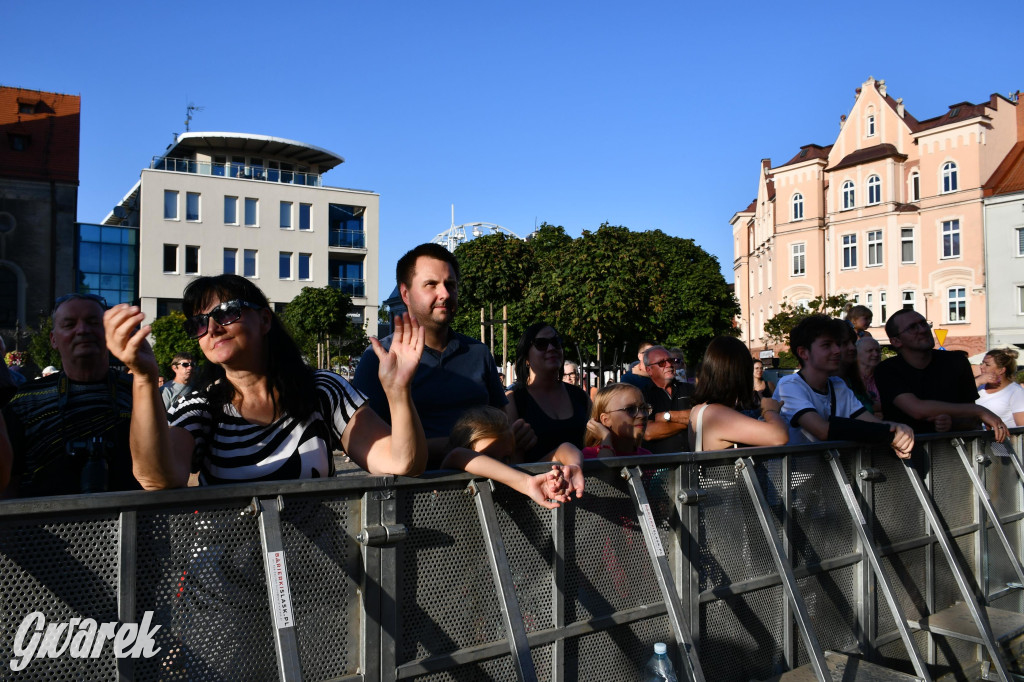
(648, 520)
(281, 596)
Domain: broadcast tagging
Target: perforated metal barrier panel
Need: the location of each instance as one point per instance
(424, 603)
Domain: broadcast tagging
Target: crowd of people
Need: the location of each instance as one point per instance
(427, 397)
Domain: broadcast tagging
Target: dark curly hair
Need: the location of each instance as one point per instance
(287, 373)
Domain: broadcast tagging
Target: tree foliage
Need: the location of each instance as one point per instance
(169, 339)
(39, 349)
(778, 327)
(318, 321)
(626, 286)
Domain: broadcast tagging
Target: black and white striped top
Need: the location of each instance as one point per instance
(229, 449)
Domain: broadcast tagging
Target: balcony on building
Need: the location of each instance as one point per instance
(260, 158)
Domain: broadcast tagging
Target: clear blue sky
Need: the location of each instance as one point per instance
(653, 115)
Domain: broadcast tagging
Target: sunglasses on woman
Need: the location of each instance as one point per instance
(634, 411)
(541, 343)
(226, 313)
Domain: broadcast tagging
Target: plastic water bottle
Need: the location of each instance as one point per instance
(659, 666)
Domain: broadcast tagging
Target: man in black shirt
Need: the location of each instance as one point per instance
(670, 403)
(929, 390)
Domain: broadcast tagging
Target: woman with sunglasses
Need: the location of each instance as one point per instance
(258, 412)
(557, 411)
(724, 414)
(617, 423)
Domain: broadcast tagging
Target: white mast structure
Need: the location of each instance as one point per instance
(456, 234)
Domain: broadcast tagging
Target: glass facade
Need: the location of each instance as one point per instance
(106, 262)
(345, 224)
(348, 277)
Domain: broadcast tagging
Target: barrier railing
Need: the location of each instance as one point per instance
(751, 566)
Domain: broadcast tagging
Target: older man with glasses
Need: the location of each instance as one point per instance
(670, 400)
(182, 365)
(929, 390)
(68, 432)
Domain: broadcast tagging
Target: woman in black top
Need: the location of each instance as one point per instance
(762, 388)
(557, 411)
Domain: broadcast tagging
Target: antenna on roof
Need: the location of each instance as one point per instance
(190, 109)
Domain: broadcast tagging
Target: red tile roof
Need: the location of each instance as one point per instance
(809, 152)
(879, 151)
(1009, 175)
(49, 133)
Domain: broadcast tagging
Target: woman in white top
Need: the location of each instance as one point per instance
(999, 392)
(724, 415)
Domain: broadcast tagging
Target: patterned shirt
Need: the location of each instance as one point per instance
(52, 422)
(229, 449)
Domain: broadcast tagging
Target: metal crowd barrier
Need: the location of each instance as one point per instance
(828, 559)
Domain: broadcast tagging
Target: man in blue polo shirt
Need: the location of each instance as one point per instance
(455, 372)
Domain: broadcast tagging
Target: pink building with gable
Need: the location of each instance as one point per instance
(891, 215)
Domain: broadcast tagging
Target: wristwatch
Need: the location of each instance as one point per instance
(666, 416)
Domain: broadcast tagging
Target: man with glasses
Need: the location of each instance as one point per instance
(929, 390)
(669, 399)
(68, 432)
(182, 366)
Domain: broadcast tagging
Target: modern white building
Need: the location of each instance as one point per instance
(255, 206)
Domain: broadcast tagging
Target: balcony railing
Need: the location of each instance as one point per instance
(349, 239)
(352, 287)
(237, 170)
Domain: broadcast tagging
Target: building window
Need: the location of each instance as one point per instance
(345, 224)
(870, 303)
(874, 248)
(849, 195)
(305, 212)
(871, 126)
(798, 206)
(286, 215)
(957, 304)
(949, 177)
(348, 277)
(1020, 300)
(915, 187)
(950, 238)
(171, 258)
(284, 265)
(18, 141)
(1020, 241)
(906, 245)
(108, 258)
(192, 206)
(230, 210)
(252, 212)
(191, 260)
(304, 266)
(874, 190)
(799, 259)
(849, 251)
(908, 300)
(230, 261)
(883, 306)
(249, 263)
(26, 108)
(170, 204)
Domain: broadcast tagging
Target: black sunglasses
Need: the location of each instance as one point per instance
(633, 411)
(674, 361)
(88, 297)
(224, 314)
(541, 343)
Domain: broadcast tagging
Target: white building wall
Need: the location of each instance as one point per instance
(1004, 265)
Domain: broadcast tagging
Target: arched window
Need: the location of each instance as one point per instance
(874, 190)
(915, 186)
(949, 179)
(798, 206)
(849, 195)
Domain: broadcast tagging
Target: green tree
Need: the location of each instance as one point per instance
(778, 327)
(39, 349)
(169, 339)
(318, 321)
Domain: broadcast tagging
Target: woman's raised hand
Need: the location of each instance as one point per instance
(127, 341)
(398, 365)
